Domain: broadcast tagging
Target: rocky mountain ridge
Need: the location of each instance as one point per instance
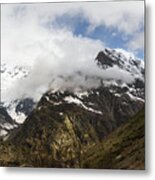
(119, 92)
(65, 123)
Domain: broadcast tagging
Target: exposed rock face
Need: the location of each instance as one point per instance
(56, 144)
(65, 124)
(6, 122)
(4, 115)
(25, 106)
(20, 108)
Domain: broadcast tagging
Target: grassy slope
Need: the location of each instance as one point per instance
(122, 149)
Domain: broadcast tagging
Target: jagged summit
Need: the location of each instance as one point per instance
(104, 60)
(66, 123)
(126, 61)
(115, 68)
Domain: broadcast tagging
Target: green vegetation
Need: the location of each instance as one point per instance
(122, 149)
(57, 141)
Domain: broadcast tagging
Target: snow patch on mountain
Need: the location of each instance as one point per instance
(8, 126)
(19, 82)
(18, 117)
(3, 132)
(71, 99)
(134, 97)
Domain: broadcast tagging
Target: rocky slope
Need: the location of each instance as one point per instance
(108, 60)
(6, 122)
(122, 149)
(66, 123)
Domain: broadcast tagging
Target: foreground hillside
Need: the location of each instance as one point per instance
(122, 149)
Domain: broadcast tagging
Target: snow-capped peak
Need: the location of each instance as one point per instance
(126, 61)
(113, 68)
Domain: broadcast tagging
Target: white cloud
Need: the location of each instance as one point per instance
(137, 42)
(19, 19)
(52, 53)
(127, 16)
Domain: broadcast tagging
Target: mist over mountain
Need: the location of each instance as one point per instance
(78, 73)
(116, 70)
(68, 123)
(73, 85)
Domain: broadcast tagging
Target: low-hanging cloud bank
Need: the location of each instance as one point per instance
(67, 62)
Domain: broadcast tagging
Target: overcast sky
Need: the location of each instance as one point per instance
(67, 36)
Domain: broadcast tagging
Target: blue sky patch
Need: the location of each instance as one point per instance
(79, 25)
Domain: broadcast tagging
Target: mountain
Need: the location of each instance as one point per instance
(119, 70)
(6, 122)
(13, 112)
(122, 149)
(14, 106)
(67, 124)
